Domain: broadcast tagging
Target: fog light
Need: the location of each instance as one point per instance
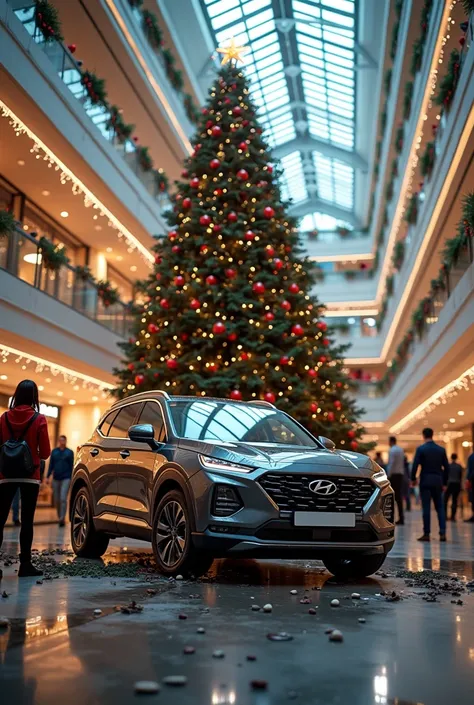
(226, 501)
(388, 508)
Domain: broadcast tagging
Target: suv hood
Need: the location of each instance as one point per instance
(277, 457)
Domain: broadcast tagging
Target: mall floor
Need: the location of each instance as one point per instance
(416, 644)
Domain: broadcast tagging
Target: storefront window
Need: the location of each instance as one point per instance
(124, 286)
(35, 221)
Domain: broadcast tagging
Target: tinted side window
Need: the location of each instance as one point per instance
(107, 422)
(125, 419)
(152, 414)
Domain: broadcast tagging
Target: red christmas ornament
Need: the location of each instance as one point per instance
(242, 175)
(268, 212)
(194, 183)
(270, 397)
(313, 407)
(212, 367)
(139, 379)
(230, 273)
(217, 228)
(216, 131)
(278, 264)
(237, 110)
(232, 337)
(172, 364)
(153, 328)
(337, 405)
(245, 123)
(164, 303)
(354, 445)
(211, 280)
(158, 277)
(323, 359)
(203, 249)
(331, 416)
(205, 219)
(321, 325)
(243, 146)
(325, 342)
(131, 366)
(218, 192)
(244, 356)
(249, 235)
(195, 304)
(351, 434)
(286, 306)
(313, 373)
(184, 336)
(204, 111)
(158, 259)
(176, 249)
(179, 280)
(284, 360)
(209, 124)
(187, 203)
(269, 250)
(232, 217)
(236, 394)
(270, 169)
(197, 148)
(72, 48)
(218, 328)
(297, 329)
(258, 288)
(462, 41)
(214, 163)
(185, 173)
(172, 235)
(293, 288)
(269, 316)
(262, 184)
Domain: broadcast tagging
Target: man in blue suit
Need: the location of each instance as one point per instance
(433, 481)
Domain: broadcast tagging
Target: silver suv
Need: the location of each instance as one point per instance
(203, 478)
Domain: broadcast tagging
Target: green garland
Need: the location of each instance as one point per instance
(115, 122)
(144, 158)
(107, 293)
(427, 159)
(394, 42)
(161, 180)
(389, 281)
(95, 88)
(411, 213)
(7, 223)
(387, 81)
(152, 29)
(448, 83)
(398, 255)
(48, 22)
(389, 190)
(52, 256)
(407, 99)
(191, 111)
(84, 274)
(399, 139)
(135, 3)
(417, 56)
(468, 6)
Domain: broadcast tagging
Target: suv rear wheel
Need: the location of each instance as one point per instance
(172, 541)
(86, 541)
(354, 567)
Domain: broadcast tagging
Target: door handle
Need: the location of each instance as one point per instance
(124, 453)
(94, 452)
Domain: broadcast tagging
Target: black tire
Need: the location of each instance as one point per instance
(354, 567)
(86, 541)
(172, 539)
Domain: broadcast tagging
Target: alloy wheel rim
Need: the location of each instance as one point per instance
(171, 533)
(80, 521)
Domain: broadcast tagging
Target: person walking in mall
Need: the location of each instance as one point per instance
(60, 469)
(454, 486)
(433, 480)
(24, 442)
(470, 484)
(396, 474)
(379, 459)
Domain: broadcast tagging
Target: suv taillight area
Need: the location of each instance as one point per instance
(226, 501)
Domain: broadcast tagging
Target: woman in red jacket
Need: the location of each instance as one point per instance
(18, 423)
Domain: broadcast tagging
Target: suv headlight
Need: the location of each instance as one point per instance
(379, 476)
(217, 464)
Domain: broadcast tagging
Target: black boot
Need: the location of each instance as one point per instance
(1, 574)
(27, 570)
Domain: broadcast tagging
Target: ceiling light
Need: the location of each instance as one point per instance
(119, 258)
(460, 413)
(72, 402)
(20, 162)
(3, 376)
(466, 444)
(45, 193)
(40, 387)
(98, 227)
(95, 398)
(109, 249)
(60, 394)
(371, 322)
(351, 320)
(64, 214)
(76, 387)
(33, 258)
(26, 227)
(133, 268)
(452, 420)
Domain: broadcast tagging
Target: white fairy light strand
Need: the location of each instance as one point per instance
(77, 186)
(41, 365)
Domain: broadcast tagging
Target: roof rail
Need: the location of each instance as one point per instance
(261, 402)
(143, 395)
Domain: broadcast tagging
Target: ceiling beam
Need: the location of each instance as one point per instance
(311, 144)
(316, 205)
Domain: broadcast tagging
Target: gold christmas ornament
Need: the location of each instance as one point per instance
(232, 52)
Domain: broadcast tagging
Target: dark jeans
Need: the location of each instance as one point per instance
(16, 506)
(453, 490)
(435, 493)
(29, 497)
(398, 482)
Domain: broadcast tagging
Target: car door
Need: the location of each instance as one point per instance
(101, 455)
(137, 467)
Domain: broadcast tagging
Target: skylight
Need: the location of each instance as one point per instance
(302, 68)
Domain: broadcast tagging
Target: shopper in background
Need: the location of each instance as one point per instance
(379, 459)
(470, 483)
(396, 475)
(60, 468)
(454, 487)
(24, 441)
(407, 484)
(433, 481)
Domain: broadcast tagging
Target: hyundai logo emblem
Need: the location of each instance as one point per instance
(323, 487)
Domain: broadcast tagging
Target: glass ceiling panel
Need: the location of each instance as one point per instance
(320, 100)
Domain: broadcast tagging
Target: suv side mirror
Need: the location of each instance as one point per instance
(327, 443)
(143, 433)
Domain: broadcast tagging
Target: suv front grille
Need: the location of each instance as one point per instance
(291, 493)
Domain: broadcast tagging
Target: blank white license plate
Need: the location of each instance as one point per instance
(324, 519)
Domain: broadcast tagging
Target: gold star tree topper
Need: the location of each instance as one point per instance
(232, 52)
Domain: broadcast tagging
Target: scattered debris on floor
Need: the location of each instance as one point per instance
(336, 635)
(280, 636)
(146, 687)
(175, 680)
(4, 622)
(132, 608)
(258, 685)
(335, 603)
(267, 608)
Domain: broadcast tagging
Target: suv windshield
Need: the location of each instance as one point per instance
(206, 420)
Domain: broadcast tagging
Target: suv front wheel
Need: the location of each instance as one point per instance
(354, 567)
(86, 541)
(172, 541)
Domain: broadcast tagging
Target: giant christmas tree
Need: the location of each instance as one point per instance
(229, 308)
